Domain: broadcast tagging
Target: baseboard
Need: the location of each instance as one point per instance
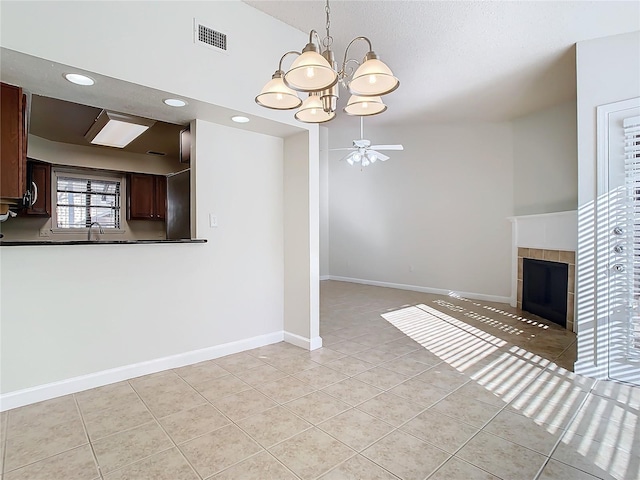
(325, 277)
(47, 391)
(416, 288)
(303, 342)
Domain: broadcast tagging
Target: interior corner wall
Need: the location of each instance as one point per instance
(545, 159)
(608, 71)
(324, 202)
(433, 216)
(154, 301)
(301, 239)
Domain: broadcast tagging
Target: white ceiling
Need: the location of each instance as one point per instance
(460, 60)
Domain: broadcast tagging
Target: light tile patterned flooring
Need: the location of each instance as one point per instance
(408, 385)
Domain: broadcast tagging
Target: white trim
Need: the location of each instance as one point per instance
(567, 213)
(303, 342)
(325, 277)
(315, 343)
(416, 288)
(47, 391)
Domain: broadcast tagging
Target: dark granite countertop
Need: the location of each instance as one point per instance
(8, 243)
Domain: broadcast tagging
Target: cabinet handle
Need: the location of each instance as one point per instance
(35, 194)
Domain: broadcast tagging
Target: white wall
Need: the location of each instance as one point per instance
(172, 298)
(151, 44)
(153, 301)
(545, 161)
(301, 232)
(608, 70)
(324, 202)
(438, 208)
(102, 158)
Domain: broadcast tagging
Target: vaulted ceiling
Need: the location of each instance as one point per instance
(460, 60)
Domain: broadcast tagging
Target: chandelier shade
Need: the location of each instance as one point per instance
(310, 72)
(277, 95)
(364, 106)
(316, 72)
(312, 111)
(373, 78)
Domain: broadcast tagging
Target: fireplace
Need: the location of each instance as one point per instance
(544, 289)
(556, 260)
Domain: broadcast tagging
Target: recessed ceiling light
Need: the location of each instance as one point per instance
(239, 119)
(79, 79)
(174, 102)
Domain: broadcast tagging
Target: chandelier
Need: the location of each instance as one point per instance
(318, 75)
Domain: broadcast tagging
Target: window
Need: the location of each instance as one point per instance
(84, 199)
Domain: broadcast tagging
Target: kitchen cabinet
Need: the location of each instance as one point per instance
(146, 197)
(39, 173)
(13, 145)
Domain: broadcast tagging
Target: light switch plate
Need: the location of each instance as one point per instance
(213, 220)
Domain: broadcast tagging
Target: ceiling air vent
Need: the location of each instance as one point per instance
(209, 37)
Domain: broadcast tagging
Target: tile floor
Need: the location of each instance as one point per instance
(408, 385)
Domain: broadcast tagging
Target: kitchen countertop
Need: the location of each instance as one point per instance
(9, 243)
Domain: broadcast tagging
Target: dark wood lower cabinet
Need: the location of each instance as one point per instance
(146, 197)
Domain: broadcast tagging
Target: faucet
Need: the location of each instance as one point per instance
(89, 232)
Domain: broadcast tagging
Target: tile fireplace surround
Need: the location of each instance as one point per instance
(560, 256)
(546, 236)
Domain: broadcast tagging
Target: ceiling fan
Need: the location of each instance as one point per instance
(364, 153)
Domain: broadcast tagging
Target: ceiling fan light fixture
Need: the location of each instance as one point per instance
(373, 78)
(364, 106)
(312, 111)
(310, 72)
(276, 95)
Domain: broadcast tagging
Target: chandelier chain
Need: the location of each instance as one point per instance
(328, 40)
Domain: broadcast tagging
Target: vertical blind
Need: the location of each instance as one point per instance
(632, 186)
(82, 201)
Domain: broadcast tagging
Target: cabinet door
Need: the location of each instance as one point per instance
(13, 143)
(40, 174)
(141, 197)
(161, 197)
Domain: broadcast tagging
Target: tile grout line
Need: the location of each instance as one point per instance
(565, 431)
(29, 463)
(86, 432)
(232, 422)
(163, 429)
(4, 436)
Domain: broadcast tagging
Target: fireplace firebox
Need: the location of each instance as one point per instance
(544, 289)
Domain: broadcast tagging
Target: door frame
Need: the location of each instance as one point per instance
(603, 226)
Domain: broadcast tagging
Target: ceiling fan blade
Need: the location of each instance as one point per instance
(337, 149)
(387, 147)
(379, 156)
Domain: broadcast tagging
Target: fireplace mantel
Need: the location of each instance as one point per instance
(553, 232)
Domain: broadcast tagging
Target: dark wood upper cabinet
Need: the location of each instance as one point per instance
(39, 174)
(13, 145)
(161, 197)
(146, 197)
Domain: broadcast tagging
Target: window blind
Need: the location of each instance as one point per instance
(82, 201)
(632, 183)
